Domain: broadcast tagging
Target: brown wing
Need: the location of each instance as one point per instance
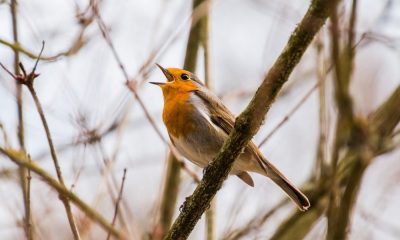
(224, 119)
(219, 114)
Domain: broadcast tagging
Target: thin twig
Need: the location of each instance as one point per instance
(302, 100)
(5, 135)
(254, 224)
(148, 65)
(117, 203)
(289, 114)
(27, 80)
(77, 44)
(55, 159)
(107, 170)
(131, 84)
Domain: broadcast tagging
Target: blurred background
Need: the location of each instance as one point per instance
(100, 128)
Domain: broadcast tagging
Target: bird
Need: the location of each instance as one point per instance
(198, 123)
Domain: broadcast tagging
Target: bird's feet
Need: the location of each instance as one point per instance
(206, 168)
(183, 206)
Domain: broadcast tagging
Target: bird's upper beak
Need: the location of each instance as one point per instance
(167, 74)
(157, 83)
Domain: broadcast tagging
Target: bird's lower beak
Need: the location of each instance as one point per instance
(157, 83)
(167, 74)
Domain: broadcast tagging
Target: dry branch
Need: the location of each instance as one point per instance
(21, 159)
(117, 203)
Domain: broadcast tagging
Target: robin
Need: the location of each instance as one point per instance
(198, 123)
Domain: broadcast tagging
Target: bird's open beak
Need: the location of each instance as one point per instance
(167, 74)
(157, 83)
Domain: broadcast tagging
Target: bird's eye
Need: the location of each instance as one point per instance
(185, 76)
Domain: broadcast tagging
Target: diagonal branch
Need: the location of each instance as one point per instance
(250, 120)
(23, 160)
(117, 203)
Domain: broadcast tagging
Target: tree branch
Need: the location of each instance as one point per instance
(250, 120)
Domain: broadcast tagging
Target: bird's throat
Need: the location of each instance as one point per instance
(178, 114)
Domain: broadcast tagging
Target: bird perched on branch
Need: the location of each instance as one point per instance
(198, 123)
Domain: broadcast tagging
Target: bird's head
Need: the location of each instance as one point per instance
(178, 81)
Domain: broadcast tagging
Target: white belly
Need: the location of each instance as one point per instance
(195, 155)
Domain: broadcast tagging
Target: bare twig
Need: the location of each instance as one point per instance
(255, 223)
(196, 15)
(131, 84)
(5, 135)
(289, 114)
(117, 203)
(53, 155)
(27, 80)
(107, 170)
(77, 44)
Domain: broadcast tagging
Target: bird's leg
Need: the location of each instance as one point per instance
(206, 167)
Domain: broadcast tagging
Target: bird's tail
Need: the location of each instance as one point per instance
(295, 194)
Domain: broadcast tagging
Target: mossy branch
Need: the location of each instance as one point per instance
(250, 120)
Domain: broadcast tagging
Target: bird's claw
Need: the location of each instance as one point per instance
(183, 206)
(206, 168)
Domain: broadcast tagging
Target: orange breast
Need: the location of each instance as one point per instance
(178, 114)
